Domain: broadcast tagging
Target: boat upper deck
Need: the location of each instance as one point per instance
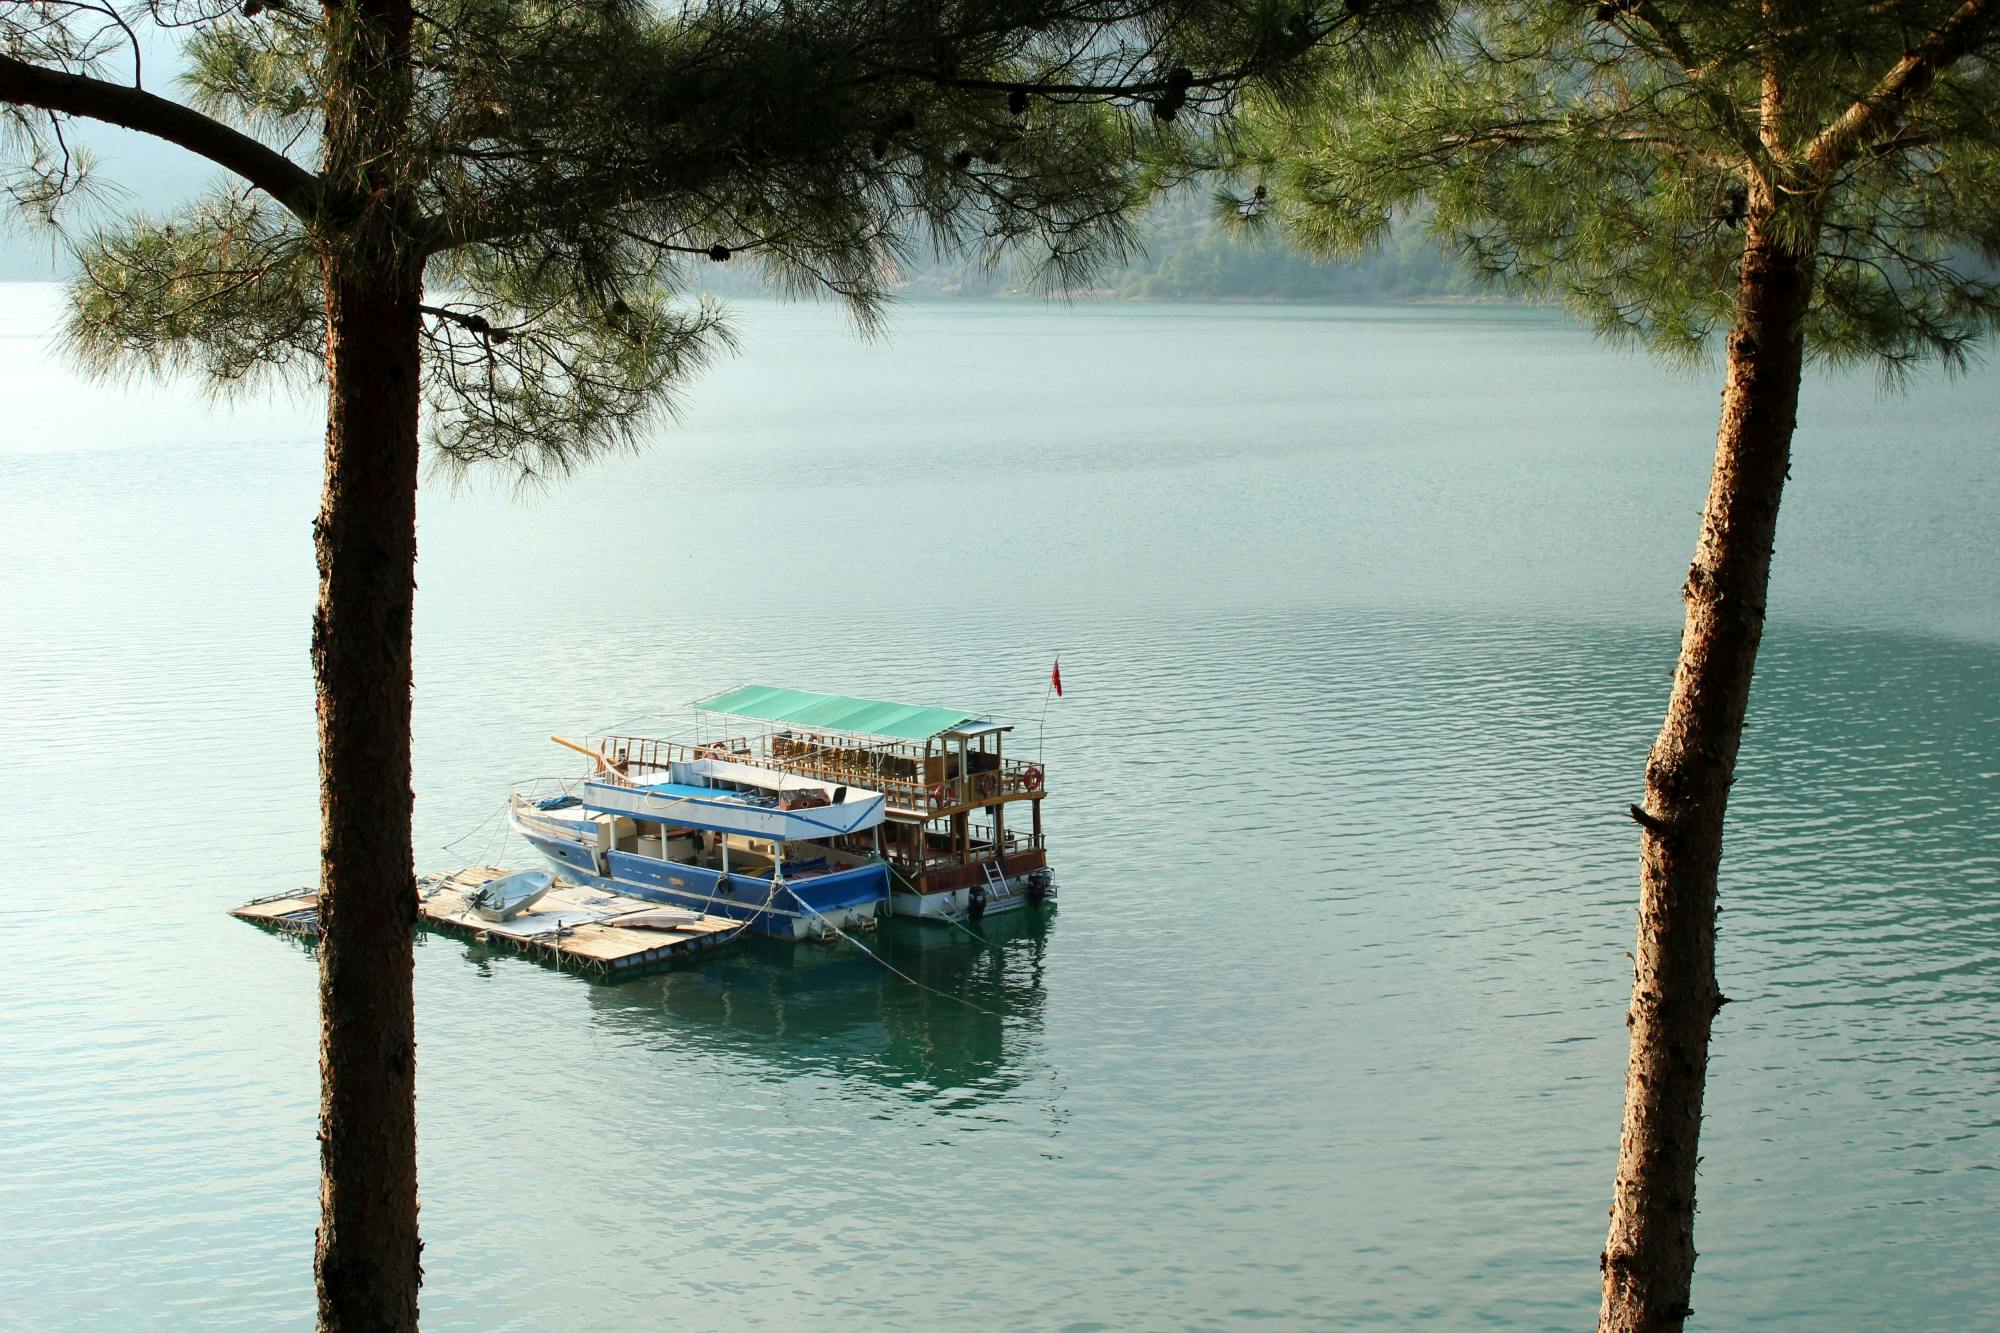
(781, 806)
(713, 795)
(928, 762)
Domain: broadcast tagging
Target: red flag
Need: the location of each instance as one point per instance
(1055, 678)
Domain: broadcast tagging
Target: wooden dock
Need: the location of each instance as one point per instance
(590, 930)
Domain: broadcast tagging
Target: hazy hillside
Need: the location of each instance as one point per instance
(1184, 255)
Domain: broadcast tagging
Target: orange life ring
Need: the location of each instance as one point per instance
(1031, 780)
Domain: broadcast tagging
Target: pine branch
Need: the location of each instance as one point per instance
(25, 84)
(1880, 111)
(1728, 117)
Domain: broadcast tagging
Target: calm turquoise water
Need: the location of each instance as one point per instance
(1367, 618)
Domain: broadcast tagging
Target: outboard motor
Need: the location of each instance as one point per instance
(975, 902)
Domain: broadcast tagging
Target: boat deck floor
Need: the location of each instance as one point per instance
(681, 791)
(592, 929)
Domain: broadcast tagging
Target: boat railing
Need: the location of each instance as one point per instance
(982, 847)
(1010, 777)
(649, 752)
(1017, 841)
(892, 768)
(898, 770)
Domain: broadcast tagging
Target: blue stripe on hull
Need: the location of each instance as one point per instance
(745, 898)
(568, 856)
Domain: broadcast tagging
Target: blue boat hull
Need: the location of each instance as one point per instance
(795, 909)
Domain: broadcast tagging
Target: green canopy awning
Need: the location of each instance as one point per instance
(836, 712)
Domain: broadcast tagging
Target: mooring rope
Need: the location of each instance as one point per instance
(956, 999)
(769, 898)
(480, 827)
(562, 782)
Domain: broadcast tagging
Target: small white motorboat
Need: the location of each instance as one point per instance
(508, 897)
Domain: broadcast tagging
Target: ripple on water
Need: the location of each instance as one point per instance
(1328, 1025)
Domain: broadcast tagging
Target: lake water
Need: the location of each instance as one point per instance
(1367, 618)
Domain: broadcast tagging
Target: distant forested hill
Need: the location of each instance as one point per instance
(1190, 255)
(1185, 253)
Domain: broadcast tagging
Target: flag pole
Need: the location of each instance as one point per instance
(1048, 692)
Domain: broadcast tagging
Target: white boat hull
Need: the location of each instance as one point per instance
(956, 905)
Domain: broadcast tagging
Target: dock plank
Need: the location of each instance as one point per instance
(572, 925)
(295, 913)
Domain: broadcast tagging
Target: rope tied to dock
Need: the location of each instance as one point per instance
(956, 999)
(563, 783)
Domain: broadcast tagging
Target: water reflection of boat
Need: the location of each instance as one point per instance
(968, 1025)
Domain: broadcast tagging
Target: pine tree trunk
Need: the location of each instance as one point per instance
(1648, 1262)
(367, 1260)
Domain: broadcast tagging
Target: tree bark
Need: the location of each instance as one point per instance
(1648, 1261)
(367, 1257)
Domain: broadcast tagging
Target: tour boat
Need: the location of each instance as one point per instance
(801, 813)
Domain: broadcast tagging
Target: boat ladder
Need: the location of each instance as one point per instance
(996, 879)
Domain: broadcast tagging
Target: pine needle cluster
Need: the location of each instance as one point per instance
(1609, 156)
(570, 171)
